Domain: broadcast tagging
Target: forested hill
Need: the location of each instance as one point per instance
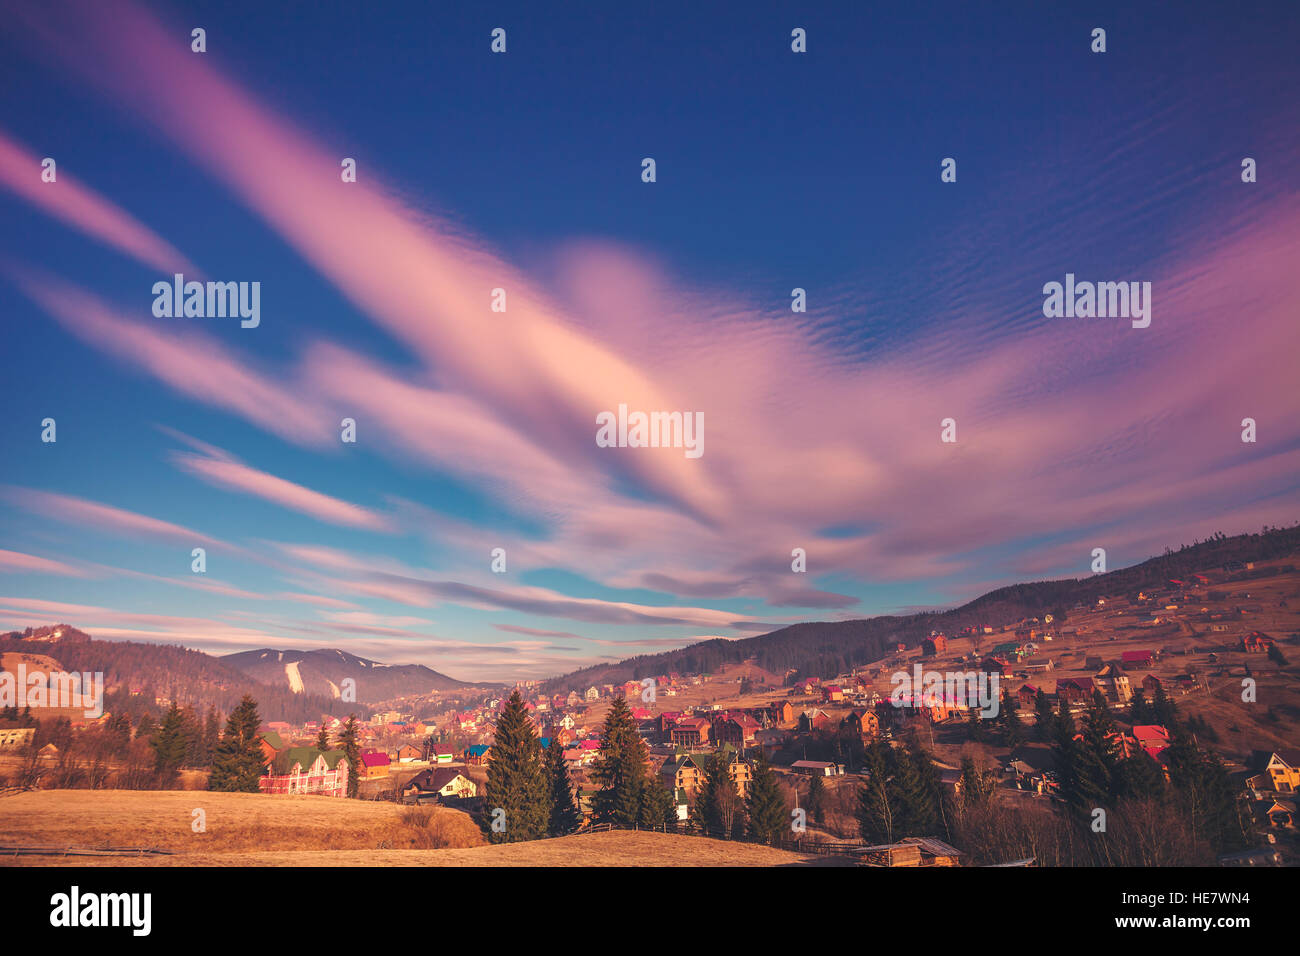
(827, 648)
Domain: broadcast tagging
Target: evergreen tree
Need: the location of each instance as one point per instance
(1044, 718)
(169, 747)
(620, 770)
(565, 817)
(148, 724)
(718, 807)
(765, 807)
(350, 743)
(816, 800)
(323, 738)
(516, 782)
(1013, 729)
(658, 806)
(239, 761)
(211, 736)
(917, 791)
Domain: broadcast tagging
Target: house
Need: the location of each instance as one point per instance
(1256, 642)
(1114, 683)
(441, 753)
(375, 764)
(832, 693)
(862, 721)
(736, 730)
(1073, 690)
(593, 693)
(934, 645)
(408, 753)
(815, 768)
(476, 755)
(910, 851)
(1152, 738)
(1137, 658)
(1026, 697)
(1151, 683)
(1282, 768)
(307, 770)
(685, 773)
(815, 719)
(437, 784)
(690, 732)
(271, 744)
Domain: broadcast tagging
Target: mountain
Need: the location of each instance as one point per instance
(138, 676)
(826, 648)
(322, 672)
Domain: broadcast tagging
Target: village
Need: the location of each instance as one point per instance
(1193, 642)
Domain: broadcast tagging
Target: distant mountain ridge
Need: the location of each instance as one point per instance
(322, 672)
(826, 648)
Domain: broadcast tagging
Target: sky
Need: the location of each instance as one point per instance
(522, 170)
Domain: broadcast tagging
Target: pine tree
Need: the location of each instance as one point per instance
(765, 807)
(565, 817)
(211, 736)
(350, 743)
(620, 771)
(816, 801)
(1013, 729)
(718, 807)
(240, 761)
(323, 739)
(516, 782)
(1045, 719)
(658, 806)
(169, 747)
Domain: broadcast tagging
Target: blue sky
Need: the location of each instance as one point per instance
(775, 170)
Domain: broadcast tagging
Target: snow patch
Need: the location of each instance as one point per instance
(334, 688)
(295, 679)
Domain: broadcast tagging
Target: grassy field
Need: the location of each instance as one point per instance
(232, 822)
(253, 830)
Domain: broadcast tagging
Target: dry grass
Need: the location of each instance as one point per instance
(616, 848)
(234, 822)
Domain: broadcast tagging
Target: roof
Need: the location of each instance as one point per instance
(476, 750)
(375, 759)
(812, 764)
(274, 739)
(434, 779)
(306, 756)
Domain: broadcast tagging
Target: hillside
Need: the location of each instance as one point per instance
(137, 675)
(322, 672)
(827, 648)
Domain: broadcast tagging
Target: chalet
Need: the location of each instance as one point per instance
(1073, 690)
(815, 719)
(1151, 683)
(1256, 642)
(1282, 768)
(910, 851)
(994, 665)
(736, 730)
(934, 645)
(272, 744)
(862, 721)
(1152, 738)
(1114, 683)
(832, 693)
(307, 770)
(690, 732)
(437, 784)
(1026, 697)
(684, 773)
(408, 753)
(780, 712)
(375, 764)
(1137, 658)
(593, 693)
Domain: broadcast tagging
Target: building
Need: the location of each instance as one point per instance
(685, 773)
(816, 768)
(934, 645)
(409, 753)
(375, 764)
(911, 851)
(307, 770)
(737, 730)
(1071, 691)
(477, 754)
(437, 784)
(1282, 767)
(862, 721)
(1152, 738)
(690, 732)
(1256, 642)
(1137, 658)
